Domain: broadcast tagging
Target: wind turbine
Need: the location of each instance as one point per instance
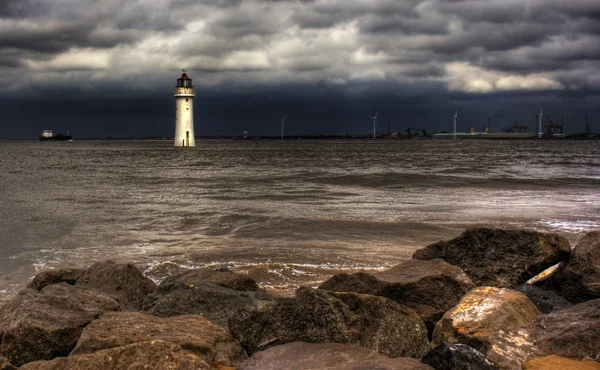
(455, 117)
(374, 124)
(540, 125)
(282, 124)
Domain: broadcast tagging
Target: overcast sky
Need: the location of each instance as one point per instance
(102, 68)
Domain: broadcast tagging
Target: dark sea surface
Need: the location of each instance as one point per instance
(286, 213)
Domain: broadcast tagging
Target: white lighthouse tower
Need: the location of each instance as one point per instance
(184, 112)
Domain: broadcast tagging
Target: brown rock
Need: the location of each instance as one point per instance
(499, 258)
(491, 320)
(318, 316)
(330, 356)
(42, 325)
(123, 281)
(573, 332)
(214, 302)
(192, 332)
(222, 276)
(50, 277)
(579, 279)
(429, 287)
(154, 354)
(554, 362)
(5, 364)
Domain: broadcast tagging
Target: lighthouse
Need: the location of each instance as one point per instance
(184, 112)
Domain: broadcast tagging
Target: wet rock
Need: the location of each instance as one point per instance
(545, 300)
(318, 316)
(42, 325)
(123, 281)
(5, 364)
(331, 356)
(457, 357)
(214, 302)
(491, 320)
(573, 332)
(192, 332)
(222, 276)
(579, 279)
(154, 354)
(499, 258)
(554, 362)
(44, 278)
(429, 287)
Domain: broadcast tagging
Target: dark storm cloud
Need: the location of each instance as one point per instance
(398, 53)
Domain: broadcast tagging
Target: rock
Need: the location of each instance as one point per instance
(573, 332)
(214, 302)
(490, 320)
(123, 281)
(42, 325)
(192, 332)
(331, 356)
(554, 362)
(499, 258)
(579, 280)
(457, 357)
(545, 300)
(154, 354)
(429, 287)
(5, 364)
(222, 276)
(318, 316)
(44, 278)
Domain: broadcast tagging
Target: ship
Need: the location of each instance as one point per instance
(47, 135)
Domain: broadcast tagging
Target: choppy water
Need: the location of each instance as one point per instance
(287, 213)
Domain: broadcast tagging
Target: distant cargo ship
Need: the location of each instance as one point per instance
(47, 135)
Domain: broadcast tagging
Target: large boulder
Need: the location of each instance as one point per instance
(554, 362)
(192, 332)
(331, 356)
(49, 277)
(5, 364)
(499, 258)
(220, 276)
(154, 354)
(490, 320)
(317, 316)
(573, 332)
(457, 357)
(545, 300)
(38, 325)
(123, 281)
(579, 279)
(429, 287)
(214, 302)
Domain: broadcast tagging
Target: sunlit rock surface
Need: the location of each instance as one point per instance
(554, 362)
(491, 321)
(500, 258)
(192, 332)
(330, 356)
(142, 355)
(457, 357)
(123, 281)
(579, 279)
(318, 316)
(42, 325)
(428, 287)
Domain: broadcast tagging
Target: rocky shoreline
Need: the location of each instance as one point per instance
(472, 302)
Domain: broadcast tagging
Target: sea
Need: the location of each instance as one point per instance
(287, 213)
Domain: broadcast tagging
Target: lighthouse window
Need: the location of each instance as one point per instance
(186, 100)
